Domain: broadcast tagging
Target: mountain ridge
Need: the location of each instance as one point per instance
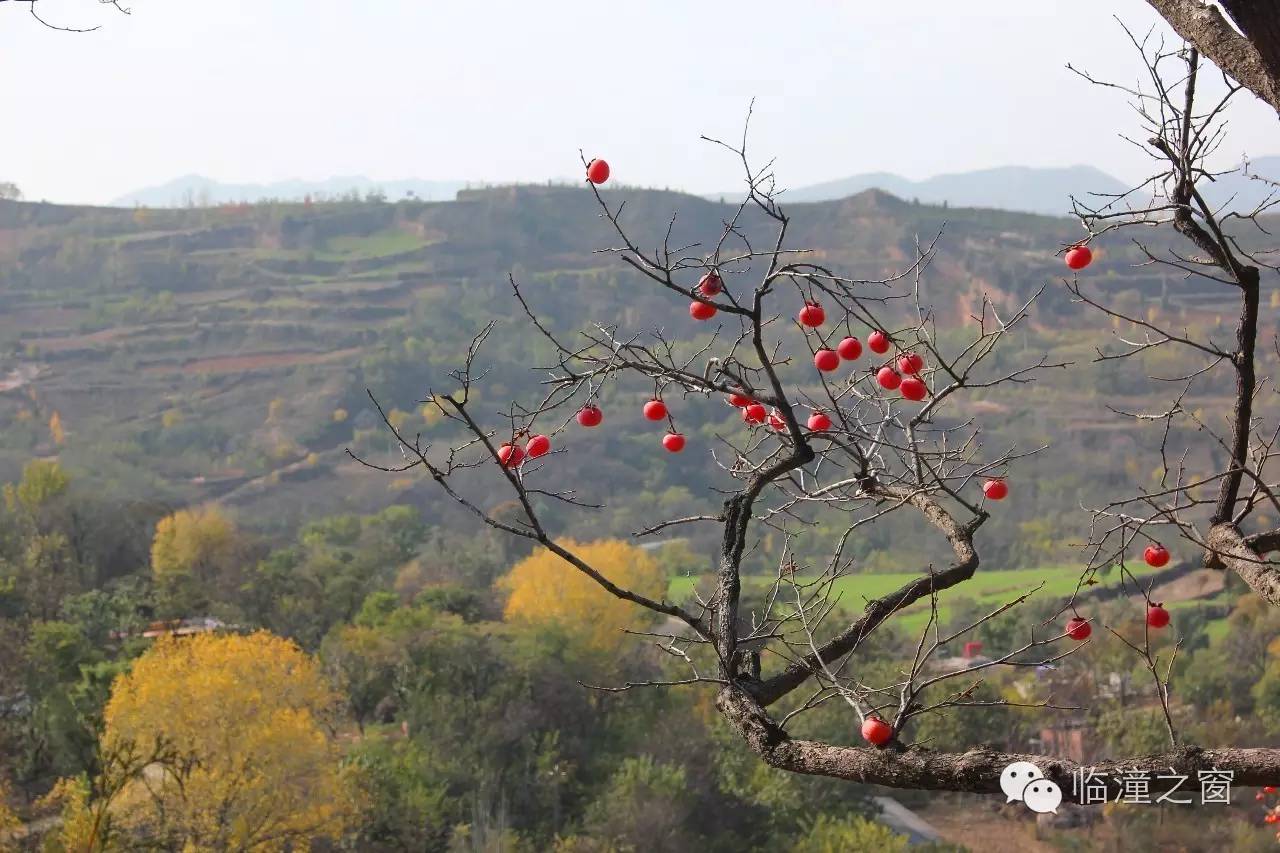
(1025, 189)
(198, 190)
(1022, 189)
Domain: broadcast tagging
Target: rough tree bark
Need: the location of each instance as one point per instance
(1252, 59)
(1232, 551)
(978, 770)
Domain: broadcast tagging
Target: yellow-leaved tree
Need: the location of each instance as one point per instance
(544, 589)
(42, 480)
(195, 550)
(8, 820)
(251, 717)
(57, 430)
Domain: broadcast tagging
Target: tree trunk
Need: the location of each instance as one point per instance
(978, 770)
(1228, 548)
(1253, 58)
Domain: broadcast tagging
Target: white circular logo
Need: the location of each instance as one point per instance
(1015, 777)
(1042, 796)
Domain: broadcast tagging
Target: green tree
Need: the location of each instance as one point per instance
(195, 555)
(42, 480)
(408, 800)
(644, 806)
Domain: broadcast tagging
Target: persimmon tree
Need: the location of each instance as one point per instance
(831, 439)
(1216, 489)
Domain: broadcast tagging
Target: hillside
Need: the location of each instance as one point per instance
(224, 353)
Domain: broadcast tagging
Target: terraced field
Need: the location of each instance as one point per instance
(189, 352)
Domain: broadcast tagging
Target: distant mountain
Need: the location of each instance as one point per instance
(1015, 188)
(1019, 188)
(199, 190)
(1033, 190)
(1242, 190)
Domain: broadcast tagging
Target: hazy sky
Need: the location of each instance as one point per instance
(491, 90)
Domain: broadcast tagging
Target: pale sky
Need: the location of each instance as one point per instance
(496, 91)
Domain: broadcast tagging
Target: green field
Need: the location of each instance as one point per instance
(376, 245)
(988, 587)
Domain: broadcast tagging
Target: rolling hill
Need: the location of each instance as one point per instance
(1045, 191)
(224, 353)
